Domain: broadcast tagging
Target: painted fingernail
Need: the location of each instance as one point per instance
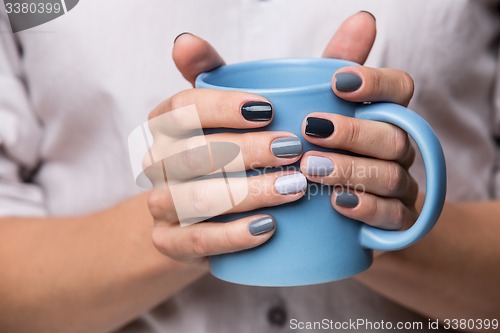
(261, 226)
(257, 111)
(367, 12)
(319, 166)
(182, 33)
(319, 127)
(347, 82)
(347, 199)
(286, 147)
(291, 184)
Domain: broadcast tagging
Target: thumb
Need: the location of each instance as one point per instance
(193, 55)
(354, 38)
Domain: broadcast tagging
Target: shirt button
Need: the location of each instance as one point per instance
(277, 315)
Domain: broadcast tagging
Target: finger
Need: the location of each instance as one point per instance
(371, 138)
(193, 55)
(353, 39)
(221, 194)
(202, 155)
(206, 239)
(382, 178)
(210, 108)
(365, 84)
(185, 114)
(385, 213)
(257, 150)
(263, 149)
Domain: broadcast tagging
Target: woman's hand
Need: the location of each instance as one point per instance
(376, 187)
(221, 109)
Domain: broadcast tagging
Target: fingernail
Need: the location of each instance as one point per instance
(347, 199)
(319, 127)
(261, 226)
(347, 82)
(319, 166)
(182, 33)
(286, 147)
(365, 11)
(291, 184)
(257, 111)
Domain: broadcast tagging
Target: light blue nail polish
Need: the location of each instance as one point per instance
(291, 184)
(319, 166)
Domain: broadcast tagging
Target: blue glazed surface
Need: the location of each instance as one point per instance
(313, 243)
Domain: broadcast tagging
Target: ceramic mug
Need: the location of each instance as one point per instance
(312, 242)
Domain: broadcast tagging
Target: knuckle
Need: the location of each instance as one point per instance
(398, 215)
(400, 143)
(229, 239)
(159, 241)
(345, 170)
(178, 100)
(371, 209)
(258, 193)
(412, 155)
(395, 179)
(200, 199)
(224, 102)
(154, 172)
(161, 206)
(352, 132)
(413, 190)
(196, 155)
(376, 83)
(251, 148)
(407, 85)
(156, 204)
(198, 242)
(160, 109)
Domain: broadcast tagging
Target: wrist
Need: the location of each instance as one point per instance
(132, 223)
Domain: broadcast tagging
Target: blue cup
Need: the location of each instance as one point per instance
(313, 243)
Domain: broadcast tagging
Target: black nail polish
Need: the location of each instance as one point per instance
(319, 127)
(365, 11)
(347, 199)
(347, 82)
(257, 111)
(182, 33)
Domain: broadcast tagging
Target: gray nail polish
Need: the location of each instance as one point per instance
(291, 184)
(261, 226)
(286, 147)
(319, 166)
(347, 82)
(347, 199)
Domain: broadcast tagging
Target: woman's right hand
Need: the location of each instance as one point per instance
(222, 109)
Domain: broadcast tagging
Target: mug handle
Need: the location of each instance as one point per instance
(435, 169)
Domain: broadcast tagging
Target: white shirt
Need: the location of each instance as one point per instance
(84, 81)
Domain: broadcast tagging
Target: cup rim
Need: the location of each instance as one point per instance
(201, 79)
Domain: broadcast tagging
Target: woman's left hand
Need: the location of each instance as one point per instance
(375, 188)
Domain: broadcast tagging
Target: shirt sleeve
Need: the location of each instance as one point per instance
(20, 133)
